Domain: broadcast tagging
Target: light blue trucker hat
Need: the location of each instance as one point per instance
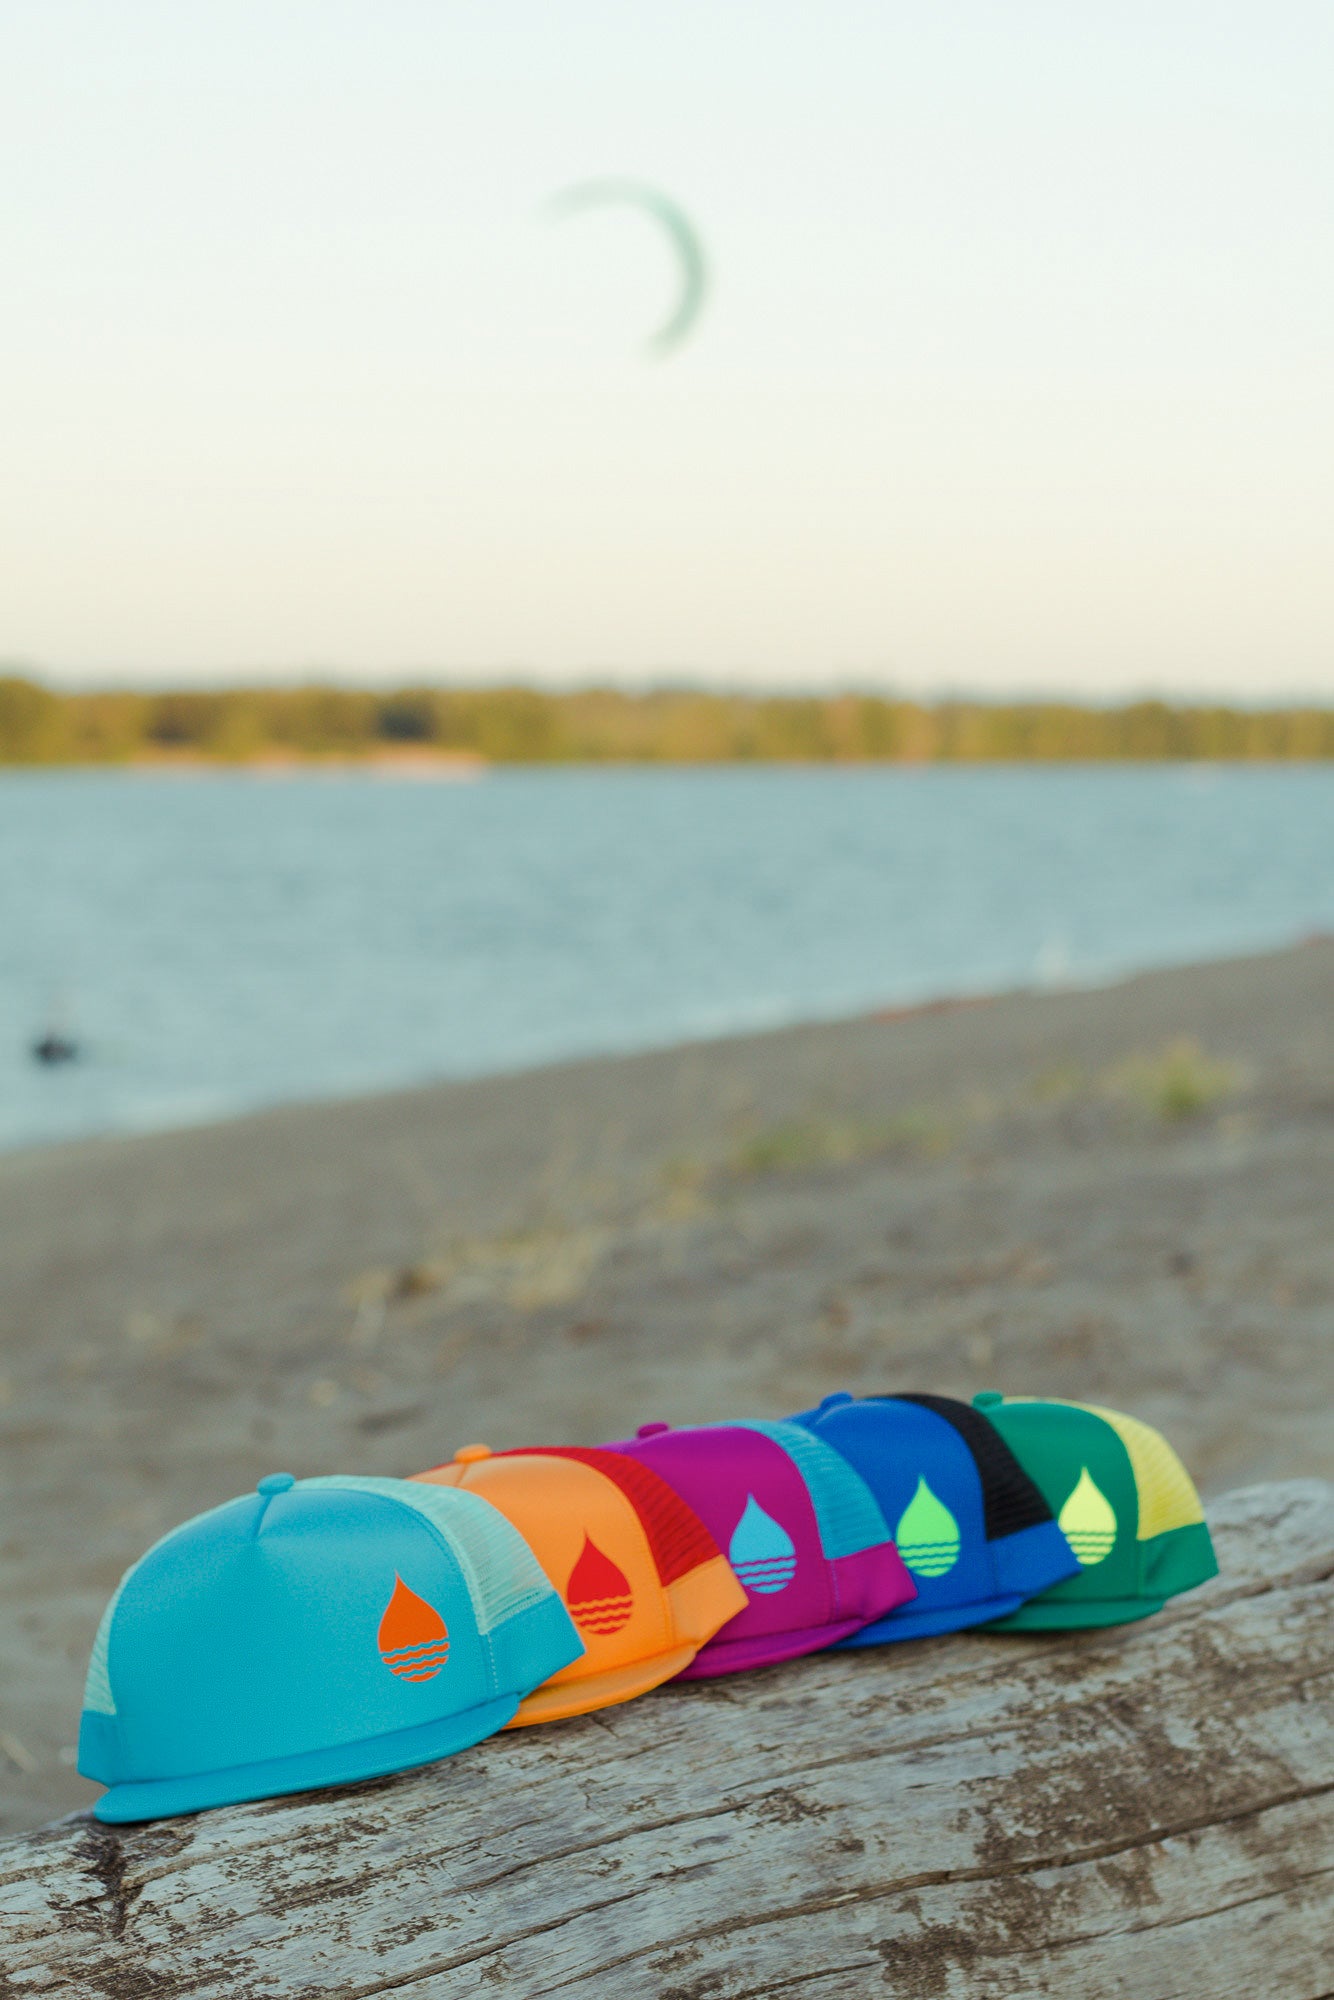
(314, 1632)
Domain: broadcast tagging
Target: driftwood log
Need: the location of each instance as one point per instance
(1144, 1812)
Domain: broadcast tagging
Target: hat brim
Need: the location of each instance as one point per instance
(558, 1700)
(344, 1764)
(1036, 1616)
(910, 1623)
(739, 1656)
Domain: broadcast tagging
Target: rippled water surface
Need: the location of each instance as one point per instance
(217, 943)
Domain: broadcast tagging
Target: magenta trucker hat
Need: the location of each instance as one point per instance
(801, 1529)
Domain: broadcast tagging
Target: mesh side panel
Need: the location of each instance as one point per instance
(1165, 1490)
(1167, 1496)
(1010, 1499)
(97, 1693)
(502, 1573)
(845, 1508)
(678, 1540)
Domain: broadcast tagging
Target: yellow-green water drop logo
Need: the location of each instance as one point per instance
(1087, 1521)
(927, 1534)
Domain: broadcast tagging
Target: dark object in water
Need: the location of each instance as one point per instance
(55, 1048)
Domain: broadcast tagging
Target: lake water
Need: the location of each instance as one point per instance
(218, 943)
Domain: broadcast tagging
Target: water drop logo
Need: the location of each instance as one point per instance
(760, 1552)
(598, 1593)
(1088, 1522)
(412, 1639)
(927, 1534)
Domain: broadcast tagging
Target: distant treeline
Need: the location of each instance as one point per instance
(520, 725)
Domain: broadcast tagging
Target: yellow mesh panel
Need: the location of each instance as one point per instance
(1167, 1496)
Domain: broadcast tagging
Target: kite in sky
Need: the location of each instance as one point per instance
(681, 235)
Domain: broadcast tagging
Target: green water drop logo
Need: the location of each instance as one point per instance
(1088, 1522)
(927, 1534)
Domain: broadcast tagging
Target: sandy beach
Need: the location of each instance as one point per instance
(1124, 1195)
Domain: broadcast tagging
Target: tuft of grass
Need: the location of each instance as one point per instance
(804, 1144)
(1059, 1084)
(1180, 1082)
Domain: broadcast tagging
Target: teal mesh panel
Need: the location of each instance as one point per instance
(845, 1507)
(502, 1572)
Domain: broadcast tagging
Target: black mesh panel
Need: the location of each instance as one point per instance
(1010, 1500)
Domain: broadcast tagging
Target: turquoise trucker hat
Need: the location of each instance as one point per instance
(314, 1632)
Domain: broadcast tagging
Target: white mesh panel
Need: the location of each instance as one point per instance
(502, 1572)
(97, 1693)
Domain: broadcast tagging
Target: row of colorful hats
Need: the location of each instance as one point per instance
(322, 1631)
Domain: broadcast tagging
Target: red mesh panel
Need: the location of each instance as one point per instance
(678, 1540)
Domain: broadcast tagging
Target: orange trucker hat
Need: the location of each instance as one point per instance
(643, 1579)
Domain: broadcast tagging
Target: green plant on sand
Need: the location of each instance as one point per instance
(1181, 1081)
(803, 1144)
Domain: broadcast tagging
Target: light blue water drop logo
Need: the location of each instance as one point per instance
(760, 1552)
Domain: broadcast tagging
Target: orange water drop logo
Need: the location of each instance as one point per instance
(412, 1639)
(598, 1593)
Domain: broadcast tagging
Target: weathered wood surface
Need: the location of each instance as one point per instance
(1146, 1812)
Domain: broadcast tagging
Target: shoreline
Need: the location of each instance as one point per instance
(333, 1101)
(412, 765)
(1119, 1194)
(936, 1005)
(471, 763)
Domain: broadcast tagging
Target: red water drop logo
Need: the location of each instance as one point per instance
(412, 1639)
(598, 1593)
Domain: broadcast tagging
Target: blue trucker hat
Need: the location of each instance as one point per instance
(970, 1524)
(314, 1632)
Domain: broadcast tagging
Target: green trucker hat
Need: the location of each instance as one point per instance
(1124, 1502)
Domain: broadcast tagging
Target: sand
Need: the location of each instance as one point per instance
(1125, 1195)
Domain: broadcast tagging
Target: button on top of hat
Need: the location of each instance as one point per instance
(987, 1399)
(651, 1430)
(836, 1401)
(275, 1482)
(471, 1454)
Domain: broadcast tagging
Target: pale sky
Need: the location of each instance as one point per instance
(1017, 372)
